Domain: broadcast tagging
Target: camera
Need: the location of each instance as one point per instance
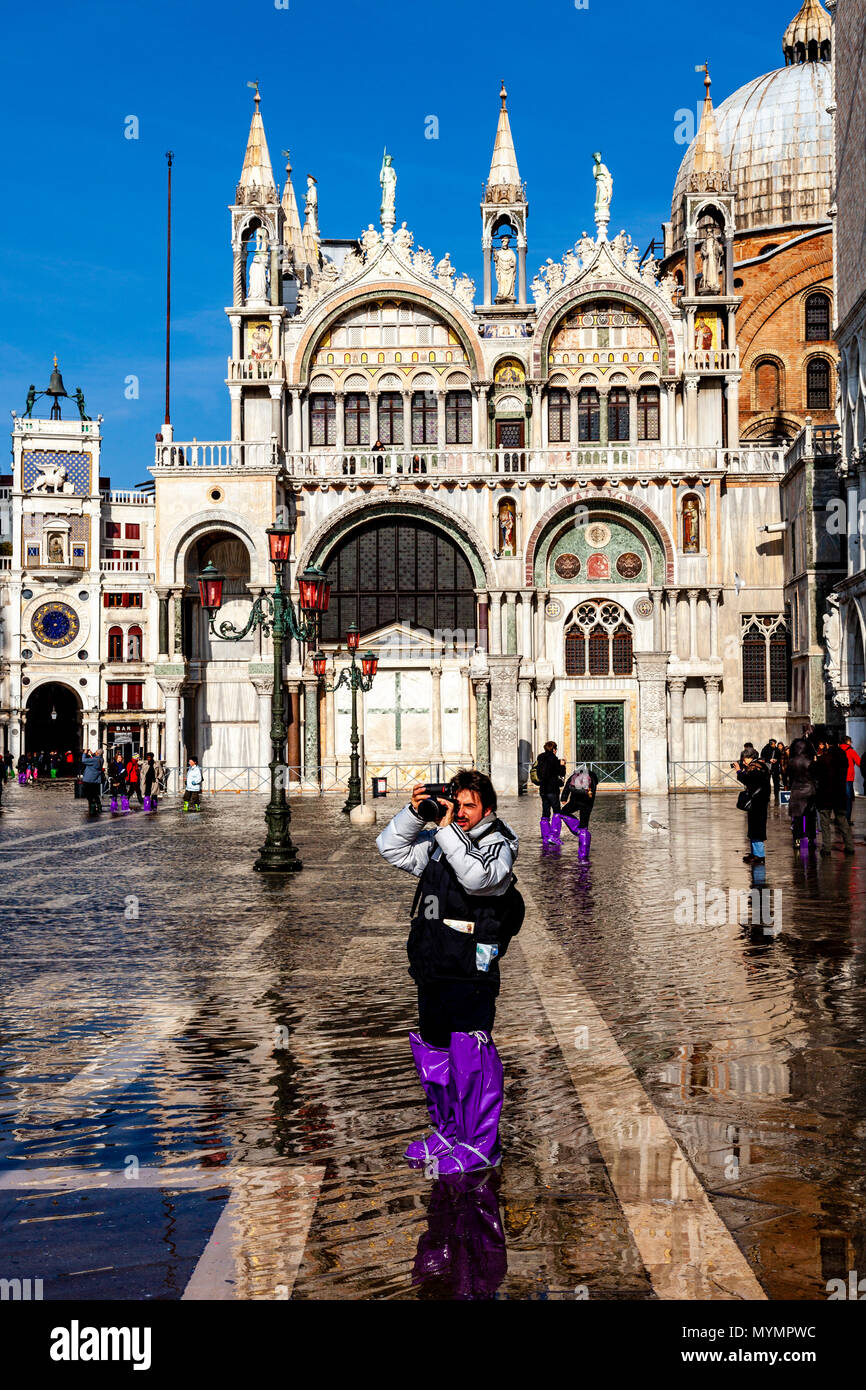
(429, 809)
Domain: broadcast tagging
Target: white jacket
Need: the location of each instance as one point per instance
(482, 859)
(194, 778)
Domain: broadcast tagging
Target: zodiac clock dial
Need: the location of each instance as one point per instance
(55, 624)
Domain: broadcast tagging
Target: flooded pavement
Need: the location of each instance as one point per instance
(207, 1084)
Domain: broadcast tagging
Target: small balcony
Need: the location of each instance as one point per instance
(121, 566)
(255, 455)
(256, 369)
(712, 360)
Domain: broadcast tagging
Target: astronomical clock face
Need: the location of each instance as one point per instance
(55, 624)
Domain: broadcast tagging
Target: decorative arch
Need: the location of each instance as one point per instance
(640, 300)
(180, 540)
(350, 298)
(330, 532)
(601, 499)
(768, 359)
(255, 215)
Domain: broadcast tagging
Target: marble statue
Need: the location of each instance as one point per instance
(571, 267)
(330, 274)
(505, 263)
(259, 267)
(403, 239)
(832, 629)
(631, 262)
(603, 194)
(352, 263)
(649, 271)
(388, 181)
(585, 249)
(464, 291)
(370, 240)
(445, 272)
(668, 287)
(619, 246)
(311, 206)
(540, 292)
(555, 274)
(422, 263)
(711, 254)
(55, 550)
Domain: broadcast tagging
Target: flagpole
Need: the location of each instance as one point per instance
(170, 157)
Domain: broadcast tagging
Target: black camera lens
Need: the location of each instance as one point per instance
(430, 810)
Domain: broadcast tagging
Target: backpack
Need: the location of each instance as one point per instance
(582, 782)
(533, 774)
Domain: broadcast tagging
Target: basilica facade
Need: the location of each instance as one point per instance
(534, 498)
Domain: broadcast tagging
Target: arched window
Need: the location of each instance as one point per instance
(588, 414)
(648, 412)
(818, 384)
(458, 417)
(558, 416)
(424, 417)
(115, 644)
(617, 415)
(390, 417)
(768, 395)
(357, 418)
(766, 658)
(598, 641)
(322, 419)
(133, 644)
(818, 318)
(391, 571)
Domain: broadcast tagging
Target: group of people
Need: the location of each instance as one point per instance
(818, 770)
(44, 764)
(124, 779)
(571, 806)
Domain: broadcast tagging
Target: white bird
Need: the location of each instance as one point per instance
(738, 582)
(655, 824)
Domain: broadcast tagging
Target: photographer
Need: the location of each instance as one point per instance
(466, 910)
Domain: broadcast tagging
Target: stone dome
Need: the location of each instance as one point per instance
(776, 139)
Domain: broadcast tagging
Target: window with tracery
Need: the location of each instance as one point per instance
(599, 640)
(558, 416)
(766, 658)
(818, 384)
(322, 419)
(648, 412)
(818, 318)
(357, 418)
(458, 417)
(424, 417)
(391, 417)
(588, 414)
(617, 415)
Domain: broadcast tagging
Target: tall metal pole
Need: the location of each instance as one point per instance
(278, 854)
(170, 157)
(354, 797)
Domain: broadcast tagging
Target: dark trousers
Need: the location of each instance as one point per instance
(192, 798)
(549, 803)
(134, 789)
(849, 800)
(843, 825)
(453, 1006)
(805, 826)
(93, 792)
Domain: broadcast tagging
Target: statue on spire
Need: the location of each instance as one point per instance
(311, 206)
(388, 182)
(603, 195)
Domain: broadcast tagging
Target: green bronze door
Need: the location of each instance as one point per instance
(599, 731)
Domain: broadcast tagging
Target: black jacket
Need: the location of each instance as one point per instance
(831, 776)
(550, 773)
(576, 800)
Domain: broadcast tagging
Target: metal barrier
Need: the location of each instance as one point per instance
(326, 778)
(611, 776)
(706, 776)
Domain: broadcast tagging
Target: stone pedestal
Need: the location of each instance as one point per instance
(651, 671)
(504, 732)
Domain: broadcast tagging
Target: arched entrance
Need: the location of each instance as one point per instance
(53, 721)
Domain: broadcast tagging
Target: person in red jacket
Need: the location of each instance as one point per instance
(133, 778)
(853, 763)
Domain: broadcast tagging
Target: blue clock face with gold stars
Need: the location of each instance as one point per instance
(55, 624)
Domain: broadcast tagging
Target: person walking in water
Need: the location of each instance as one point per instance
(802, 786)
(133, 778)
(831, 774)
(465, 912)
(117, 782)
(578, 799)
(194, 779)
(754, 799)
(550, 772)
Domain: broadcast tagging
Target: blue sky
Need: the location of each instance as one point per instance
(82, 263)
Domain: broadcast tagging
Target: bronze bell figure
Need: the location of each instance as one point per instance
(56, 389)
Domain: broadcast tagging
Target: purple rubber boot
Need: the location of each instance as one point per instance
(124, 803)
(145, 805)
(583, 842)
(22, 778)
(434, 1070)
(573, 823)
(555, 828)
(154, 803)
(544, 827)
(113, 803)
(477, 1083)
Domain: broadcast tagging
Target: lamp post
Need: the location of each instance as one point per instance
(274, 613)
(356, 679)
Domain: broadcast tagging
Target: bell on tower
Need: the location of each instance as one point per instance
(55, 389)
(504, 211)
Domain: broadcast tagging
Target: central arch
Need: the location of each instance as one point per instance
(53, 720)
(600, 499)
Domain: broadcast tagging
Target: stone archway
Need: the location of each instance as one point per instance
(53, 720)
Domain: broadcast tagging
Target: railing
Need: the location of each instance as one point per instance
(611, 776)
(252, 369)
(755, 459)
(5, 562)
(138, 499)
(401, 777)
(120, 566)
(702, 776)
(238, 453)
(713, 360)
(820, 441)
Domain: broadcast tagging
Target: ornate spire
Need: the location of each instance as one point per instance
(257, 177)
(808, 37)
(503, 183)
(709, 173)
(292, 235)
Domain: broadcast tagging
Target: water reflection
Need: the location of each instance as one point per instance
(461, 1255)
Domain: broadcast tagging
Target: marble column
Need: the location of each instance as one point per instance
(482, 724)
(526, 623)
(650, 669)
(440, 421)
(171, 693)
(264, 686)
(693, 624)
(542, 697)
(632, 415)
(177, 605)
(235, 321)
(407, 419)
(436, 754)
(465, 715)
(511, 624)
(712, 686)
(163, 596)
(677, 687)
(691, 424)
(715, 595)
(311, 729)
(535, 441)
(541, 601)
(276, 394)
(657, 595)
(503, 723)
(339, 421)
(329, 748)
(572, 415)
(732, 401)
(483, 638)
(235, 395)
(495, 632)
(673, 635)
(524, 728)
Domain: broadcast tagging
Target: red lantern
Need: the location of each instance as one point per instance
(369, 663)
(319, 660)
(210, 588)
(280, 542)
(315, 588)
(353, 637)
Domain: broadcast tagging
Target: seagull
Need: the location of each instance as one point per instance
(655, 824)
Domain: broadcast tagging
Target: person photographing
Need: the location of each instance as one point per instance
(465, 912)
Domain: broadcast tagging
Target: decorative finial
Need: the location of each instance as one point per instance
(256, 85)
(55, 361)
(287, 158)
(503, 95)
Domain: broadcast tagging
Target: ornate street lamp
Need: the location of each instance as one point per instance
(356, 678)
(274, 614)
